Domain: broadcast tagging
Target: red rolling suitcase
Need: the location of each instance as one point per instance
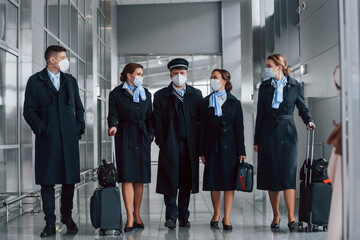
(315, 193)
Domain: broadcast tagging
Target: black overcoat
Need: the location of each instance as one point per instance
(134, 134)
(276, 136)
(57, 120)
(222, 142)
(166, 125)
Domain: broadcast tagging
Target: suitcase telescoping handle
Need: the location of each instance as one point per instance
(309, 154)
(113, 154)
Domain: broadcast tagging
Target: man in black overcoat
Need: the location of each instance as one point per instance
(54, 111)
(176, 118)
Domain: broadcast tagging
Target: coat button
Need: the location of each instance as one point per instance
(137, 147)
(282, 142)
(225, 147)
(224, 130)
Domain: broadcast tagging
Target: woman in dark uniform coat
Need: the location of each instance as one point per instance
(276, 137)
(130, 114)
(221, 143)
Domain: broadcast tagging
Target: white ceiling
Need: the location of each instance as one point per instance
(135, 2)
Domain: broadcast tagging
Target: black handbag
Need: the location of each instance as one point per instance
(107, 174)
(319, 171)
(245, 175)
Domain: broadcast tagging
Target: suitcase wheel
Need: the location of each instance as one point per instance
(325, 228)
(118, 232)
(301, 227)
(102, 232)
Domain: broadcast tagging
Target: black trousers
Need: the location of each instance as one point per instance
(181, 211)
(48, 200)
(173, 211)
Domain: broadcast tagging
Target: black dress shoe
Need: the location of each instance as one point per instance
(70, 225)
(214, 224)
(184, 223)
(275, 226)
(171, 224)
(293, 225)
(129, 229)
(139, 225)
(48, 230)
(226, 227)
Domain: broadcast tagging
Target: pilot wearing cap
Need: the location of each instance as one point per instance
(176, 118)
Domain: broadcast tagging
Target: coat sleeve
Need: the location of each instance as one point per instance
(79, 108)
(199, 138)
(260, 115)
(158, 120)
(30, 112)
(304, 112)
(239, 130)
(113, 117)
(148, 119)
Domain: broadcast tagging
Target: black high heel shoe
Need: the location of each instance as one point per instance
(139, 225)
(293, 225)
(275, 226)
(129, 229)
(214, 224)
(226, 227)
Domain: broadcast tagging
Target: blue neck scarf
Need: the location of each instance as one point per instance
(215, 103)
(278, 93)
(139, 90)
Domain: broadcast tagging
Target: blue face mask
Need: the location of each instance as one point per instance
(269, 72)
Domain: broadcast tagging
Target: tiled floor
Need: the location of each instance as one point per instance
(251, 217)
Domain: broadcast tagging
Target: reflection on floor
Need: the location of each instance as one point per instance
(251, 217)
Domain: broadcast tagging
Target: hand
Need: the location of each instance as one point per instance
(256, 148)
(242, 158)
(112, 131)
(202, 159)
(310, 126)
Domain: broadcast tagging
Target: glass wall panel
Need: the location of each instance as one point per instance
(74, 65)
(82, 149)
(81, 75)
(74, 29)
(8, 172)
(51, 40)
(9, 22)
(8, 98)
(53, 17)
(82, 43)
(65, 14)
(82, 6)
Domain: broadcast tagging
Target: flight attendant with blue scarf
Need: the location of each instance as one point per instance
(276, 137)
(130, 120)
(221, 144)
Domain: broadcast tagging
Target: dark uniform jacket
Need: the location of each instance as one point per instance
(222, 143)
(57, 120)
(276, 136)
(166, 125)
(134, 134)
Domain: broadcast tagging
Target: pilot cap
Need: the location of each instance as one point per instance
(178, 63)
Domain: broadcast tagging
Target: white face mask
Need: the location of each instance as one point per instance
(179, 80)
(138, 81)
(64, 65)
(215, 84)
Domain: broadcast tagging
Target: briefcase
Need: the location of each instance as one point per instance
(245, 175)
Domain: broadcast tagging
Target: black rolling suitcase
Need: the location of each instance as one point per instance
(315, 191)
(105, 206)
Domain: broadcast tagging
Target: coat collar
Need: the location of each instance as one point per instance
(189, 90)
(43, 75)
